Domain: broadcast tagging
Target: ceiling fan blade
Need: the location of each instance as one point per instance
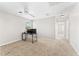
(28, 13)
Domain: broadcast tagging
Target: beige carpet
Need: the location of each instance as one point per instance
(44, 47)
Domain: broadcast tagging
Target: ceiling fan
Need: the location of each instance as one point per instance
(25, 11)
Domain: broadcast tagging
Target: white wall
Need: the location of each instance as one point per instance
(11, 28)
(74, 28)
(45, 27)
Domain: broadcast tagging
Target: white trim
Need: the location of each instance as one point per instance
(77, 51)
(8, 42)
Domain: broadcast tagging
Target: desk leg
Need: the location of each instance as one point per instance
(22, 36)
(36, 37)
(32, 39)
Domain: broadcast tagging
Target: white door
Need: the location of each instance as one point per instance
(60, 29)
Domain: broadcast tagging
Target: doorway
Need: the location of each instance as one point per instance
(60, 28)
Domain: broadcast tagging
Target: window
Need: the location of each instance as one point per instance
(29, 24)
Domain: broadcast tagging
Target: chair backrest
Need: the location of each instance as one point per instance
(31, 31)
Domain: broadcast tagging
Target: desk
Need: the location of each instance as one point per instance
(30, 32)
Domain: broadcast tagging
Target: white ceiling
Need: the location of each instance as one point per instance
(34, 10)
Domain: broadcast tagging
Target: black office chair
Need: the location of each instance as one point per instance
(30, 32)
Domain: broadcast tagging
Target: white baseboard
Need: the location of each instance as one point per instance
(76, 50)
(9, 42)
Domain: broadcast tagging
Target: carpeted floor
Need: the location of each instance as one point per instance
(44, 47)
